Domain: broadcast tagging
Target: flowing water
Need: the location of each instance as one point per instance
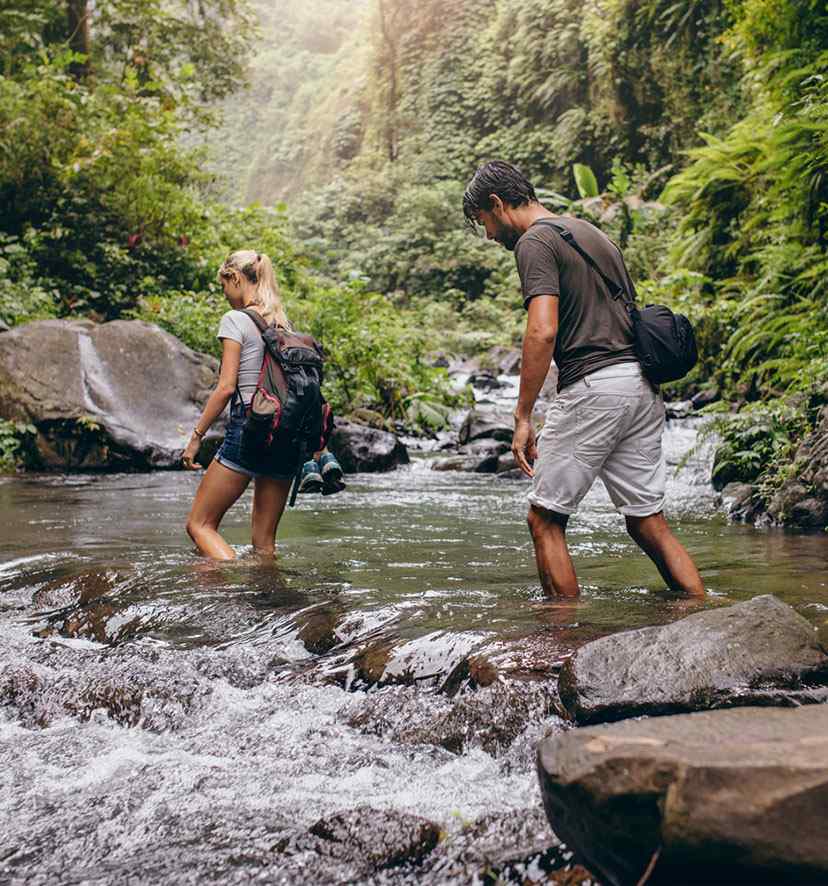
(168, 719)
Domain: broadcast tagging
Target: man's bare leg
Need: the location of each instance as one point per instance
(555, 569)
(655, 538)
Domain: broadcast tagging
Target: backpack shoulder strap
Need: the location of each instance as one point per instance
(615, 290)
(257, 318)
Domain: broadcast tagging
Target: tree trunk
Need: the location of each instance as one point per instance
(78, 21)
(389, 39)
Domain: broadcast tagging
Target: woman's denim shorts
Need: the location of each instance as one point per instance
(230, 454)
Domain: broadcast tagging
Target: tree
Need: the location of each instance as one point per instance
(390, 17)
(78, 36)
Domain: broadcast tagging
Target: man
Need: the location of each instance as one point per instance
(607, 419)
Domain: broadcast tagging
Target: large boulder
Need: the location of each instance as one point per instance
(734, 796)
(362, 448)
(760, 651)
(115, 395)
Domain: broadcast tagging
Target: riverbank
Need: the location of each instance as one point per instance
(88, 409)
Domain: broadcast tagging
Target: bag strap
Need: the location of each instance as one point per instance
(257, 318)
(615, 290)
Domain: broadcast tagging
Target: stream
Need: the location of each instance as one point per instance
(163, 718)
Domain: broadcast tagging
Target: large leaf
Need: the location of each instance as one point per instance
(585, 180)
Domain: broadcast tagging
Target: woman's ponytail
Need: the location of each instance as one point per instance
(258, 269)
(267, 293)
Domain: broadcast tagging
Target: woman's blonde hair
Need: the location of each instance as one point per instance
(257, 268)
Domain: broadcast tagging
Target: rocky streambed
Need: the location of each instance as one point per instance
(368, 709)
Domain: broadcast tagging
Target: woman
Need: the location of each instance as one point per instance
(248, 282)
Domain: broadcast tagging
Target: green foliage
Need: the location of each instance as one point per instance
(22, 295)
(585, 181)
(185, 54)
(191, 316)
(16, 440)
(375, 353)
(757, 445)
(754, 207)
(401, 238)
(436, 86)
(300, 117)
(98, 191)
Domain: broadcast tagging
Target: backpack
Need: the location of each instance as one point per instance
(664, 342)
(288, 418)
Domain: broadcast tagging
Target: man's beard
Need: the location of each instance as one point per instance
(507, 236)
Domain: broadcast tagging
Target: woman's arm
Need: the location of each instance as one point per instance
(217, 401)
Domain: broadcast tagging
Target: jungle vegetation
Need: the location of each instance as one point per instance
(694, 131)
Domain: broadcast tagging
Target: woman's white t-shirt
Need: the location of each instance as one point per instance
(237, 326)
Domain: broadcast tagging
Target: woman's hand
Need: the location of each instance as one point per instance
(190, 453)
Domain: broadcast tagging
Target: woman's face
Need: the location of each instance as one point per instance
(232, 291)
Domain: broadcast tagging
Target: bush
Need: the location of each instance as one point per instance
(16, 440)
(22, 295)
(758, 444)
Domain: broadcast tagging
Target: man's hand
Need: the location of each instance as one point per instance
(538, 347)
(524, 447)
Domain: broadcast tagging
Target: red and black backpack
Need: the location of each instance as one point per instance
(288, 418)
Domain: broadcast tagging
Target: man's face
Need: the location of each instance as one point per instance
(498, 228)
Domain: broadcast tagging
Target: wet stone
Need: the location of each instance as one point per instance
(362, 448)
(737, 655)
(318, 629)
(490, 718)
(439, 660)
(505, 847)
(467, 463)
(78, 589)
(131, 692)
(737, 499)
(734, 796)
(357, 843)
(480, 425)
(88, 400)
(485, 380)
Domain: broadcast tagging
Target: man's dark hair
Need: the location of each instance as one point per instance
(500, 178)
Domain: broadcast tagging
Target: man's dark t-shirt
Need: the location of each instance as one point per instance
(594, 330)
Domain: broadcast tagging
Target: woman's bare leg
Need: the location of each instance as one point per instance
(220, 488)
(269, 500)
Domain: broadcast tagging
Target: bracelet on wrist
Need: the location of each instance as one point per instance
(198, 433)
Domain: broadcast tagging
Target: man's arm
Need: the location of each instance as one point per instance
(538, 347)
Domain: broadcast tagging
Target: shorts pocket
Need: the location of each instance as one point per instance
(649, 442)
(597, 430)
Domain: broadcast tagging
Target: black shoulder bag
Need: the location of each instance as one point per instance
(664, 342)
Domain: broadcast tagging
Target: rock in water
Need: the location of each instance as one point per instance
(734, 796)
(736, 655)
(123, 394)
(362, 448)
(480, 425)
(355, 844)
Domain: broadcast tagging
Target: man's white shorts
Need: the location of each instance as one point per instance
(608, 425)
